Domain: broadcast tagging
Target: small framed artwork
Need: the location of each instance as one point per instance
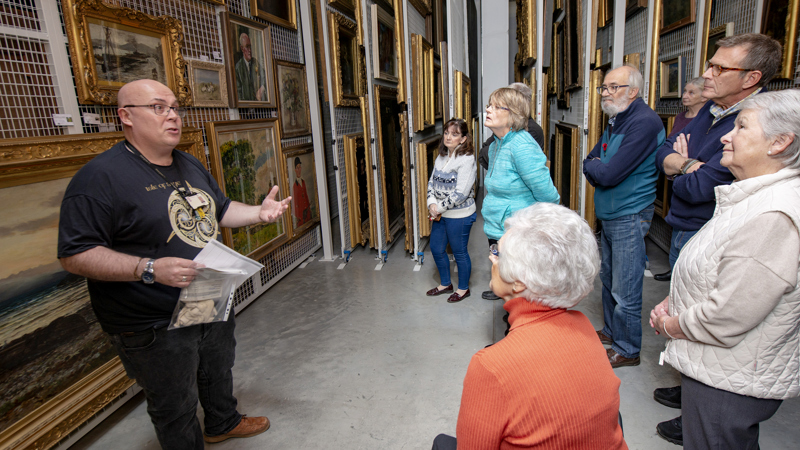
(292, 99)
(779, 20)
(384, 54)
(463, 92)
(360, 203)
(208, 84)
(302, 186)
(345, 60)
(676, 14)
(671, 78)
(423, 81)
(245, 161)
(709, 47)
(111, 46)
(248, 61)
(438, 101)
(279, 12)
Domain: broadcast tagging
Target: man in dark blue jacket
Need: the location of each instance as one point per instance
(622, 169)
(739, 69)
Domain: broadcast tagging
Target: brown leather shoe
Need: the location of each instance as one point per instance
(248, 427)
(603, 338)
(437, 291)
(455, 298)
(618, 360)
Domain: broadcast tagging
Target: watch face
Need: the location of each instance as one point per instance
(148, 278)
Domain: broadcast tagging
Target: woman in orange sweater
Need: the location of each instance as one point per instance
(548, 384)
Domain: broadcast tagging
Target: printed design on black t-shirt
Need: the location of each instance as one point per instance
(189, 226)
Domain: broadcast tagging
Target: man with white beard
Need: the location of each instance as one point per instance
(622, 169)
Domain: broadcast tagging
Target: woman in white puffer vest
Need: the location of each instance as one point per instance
(733, 312)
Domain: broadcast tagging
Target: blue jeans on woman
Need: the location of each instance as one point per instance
(456, 233)
(177, 367)
(622, 273)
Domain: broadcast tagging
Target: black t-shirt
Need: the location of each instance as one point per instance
(118, 201)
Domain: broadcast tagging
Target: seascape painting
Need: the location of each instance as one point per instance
(50, 337)
(123, 54)
(250, 170)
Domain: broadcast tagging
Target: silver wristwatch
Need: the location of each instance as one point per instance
(148, 277)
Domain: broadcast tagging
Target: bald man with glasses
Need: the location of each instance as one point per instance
(740, 68)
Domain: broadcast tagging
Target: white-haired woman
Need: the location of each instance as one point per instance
(548, 381)
(693, 100)
(733, 312)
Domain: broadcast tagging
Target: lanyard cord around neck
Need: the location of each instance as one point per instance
(181, 191)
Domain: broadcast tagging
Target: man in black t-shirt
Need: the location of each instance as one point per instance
(132, 220)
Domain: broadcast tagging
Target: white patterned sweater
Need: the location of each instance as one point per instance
(452, 186)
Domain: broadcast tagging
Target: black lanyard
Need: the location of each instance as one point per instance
(174, 184)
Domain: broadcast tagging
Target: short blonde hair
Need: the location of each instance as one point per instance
(519, 107)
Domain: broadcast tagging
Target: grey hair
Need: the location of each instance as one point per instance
(763, 54)
(551, 250)
(635, 80)
(779, 115)
(519, 108)
(698, 82)
(523, 89)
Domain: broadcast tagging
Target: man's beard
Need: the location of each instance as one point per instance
(614, 107)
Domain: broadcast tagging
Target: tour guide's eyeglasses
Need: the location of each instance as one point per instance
(162, 110)
(495, 107)
(611, 89)
(717, 70)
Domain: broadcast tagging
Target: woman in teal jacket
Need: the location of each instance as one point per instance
(517, 176)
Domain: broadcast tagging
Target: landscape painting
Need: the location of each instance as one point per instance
(123, 54)
(244, 161)
(50, 337)
(208, 84)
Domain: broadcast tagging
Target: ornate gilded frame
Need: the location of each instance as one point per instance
(344, 5)
(33, 160)
(463, 97)
(230, 24)
(422, 82)
(526, 33)
(197, 89)
(339, 26)
(307, 149)
(400, 42)
(283, 105)
(289, 22)
(424, 148)
(786, 35)
(673, 5)
(357, 233)
(213, 131)
(91, 90)
(381, 16)
(665, 76)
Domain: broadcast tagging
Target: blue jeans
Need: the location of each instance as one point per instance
(679, 239)
(175, 368)
(455, 232)
(622, 274)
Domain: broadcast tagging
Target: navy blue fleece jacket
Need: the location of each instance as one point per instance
(621, 166)
(693, 200)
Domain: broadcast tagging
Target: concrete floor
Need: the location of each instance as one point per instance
(362, 359)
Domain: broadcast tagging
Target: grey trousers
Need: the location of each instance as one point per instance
(717, 419)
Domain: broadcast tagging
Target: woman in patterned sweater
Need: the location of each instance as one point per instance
(451, 206)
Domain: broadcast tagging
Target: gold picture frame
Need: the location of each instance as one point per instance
(427, 151)
(422, 6)
(661, 204)
(373, 203)
(209, 84)
(245, 87)
(595, 132)
(676, 14)
(438, 99)
(344, 5)
(573, 33)
(710, 39)
(779, 20)
(633, 59)
(384, 45)
(246, 160)
(422, 77)
(358, 171)
(463, 96)
(93, 26)
(55, 411)
(399, 38)
(526, 32)
(292, 92)
(304, 208)
(280, 12)
(392, 161)
(566, 165)
(671, 74)
(345, 60)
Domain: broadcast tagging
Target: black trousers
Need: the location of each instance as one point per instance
(717, 419)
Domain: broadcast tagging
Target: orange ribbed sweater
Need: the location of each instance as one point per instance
(547, 385)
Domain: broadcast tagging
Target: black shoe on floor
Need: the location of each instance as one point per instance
(666, 276)
(668, 396)
(489, 295)
(671, 430)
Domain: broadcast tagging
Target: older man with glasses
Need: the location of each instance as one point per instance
(740, 69)
(622, 170)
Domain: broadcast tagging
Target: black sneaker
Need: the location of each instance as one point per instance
(668, 396)
(671, 430)
(489, 295)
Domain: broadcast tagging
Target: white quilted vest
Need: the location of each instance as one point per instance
(764, 364)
